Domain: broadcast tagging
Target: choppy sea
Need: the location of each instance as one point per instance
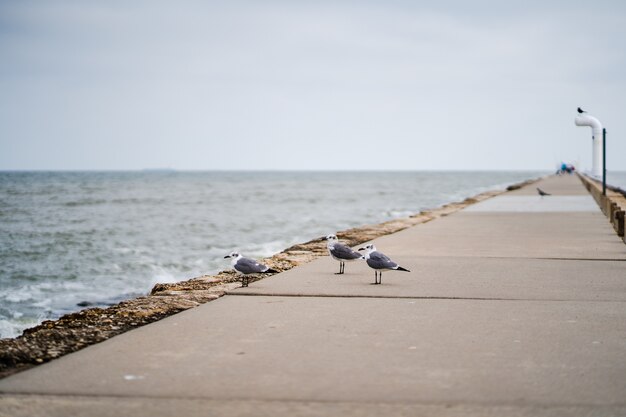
(75, 239)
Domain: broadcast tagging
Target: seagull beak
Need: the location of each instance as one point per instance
(227, 256)
(361, 249)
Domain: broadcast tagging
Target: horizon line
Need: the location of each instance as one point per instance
(276, 170)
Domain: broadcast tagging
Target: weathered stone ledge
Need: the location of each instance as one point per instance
(54, 338)
(613, 204)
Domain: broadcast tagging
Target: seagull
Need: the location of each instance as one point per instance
(541, 192)
(581, 110)
(247, 266)
(341, 253)
(379, 261)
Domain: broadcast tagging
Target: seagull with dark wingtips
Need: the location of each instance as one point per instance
(378, 261)
(246, 266)
(340, 252)
(541, 192)
(581, 110)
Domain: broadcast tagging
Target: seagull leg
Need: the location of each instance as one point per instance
(380, 277)
(340, 268)
(244, 281)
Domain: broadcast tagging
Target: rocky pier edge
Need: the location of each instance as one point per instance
(71, 332)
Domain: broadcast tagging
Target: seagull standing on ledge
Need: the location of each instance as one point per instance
(247, 266)
(581, 110)
(379, 261)
(340, 252)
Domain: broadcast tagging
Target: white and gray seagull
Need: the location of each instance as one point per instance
(340, 252)
(246, 266)
(379, 261)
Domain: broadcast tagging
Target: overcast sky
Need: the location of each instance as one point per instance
(309, 85)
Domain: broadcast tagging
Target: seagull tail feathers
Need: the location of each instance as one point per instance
(270, 271)
(399, 268)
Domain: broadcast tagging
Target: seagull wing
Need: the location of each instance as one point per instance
(249, 266)
(378, 260)
(341, 251)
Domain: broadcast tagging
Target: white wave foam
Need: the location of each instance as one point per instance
(162, 276)
(15, 327)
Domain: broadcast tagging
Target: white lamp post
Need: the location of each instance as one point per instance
(584, 119)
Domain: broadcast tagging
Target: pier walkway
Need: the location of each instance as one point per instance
(515, 306)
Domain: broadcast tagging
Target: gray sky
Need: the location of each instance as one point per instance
(309, 85)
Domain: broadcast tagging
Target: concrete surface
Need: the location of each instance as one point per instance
(503, 313)
(556, 185)
(455, 277)
(536, 204)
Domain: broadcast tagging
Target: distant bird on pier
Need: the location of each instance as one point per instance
(379, 261)
(581, 110)
(246, 266)
(541, 192)
(340, 252)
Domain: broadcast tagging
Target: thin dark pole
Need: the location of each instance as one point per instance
(603, 161)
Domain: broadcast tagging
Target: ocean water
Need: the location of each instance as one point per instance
(616, 178)
(75, 239)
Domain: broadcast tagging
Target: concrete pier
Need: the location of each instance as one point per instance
(514, 306)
